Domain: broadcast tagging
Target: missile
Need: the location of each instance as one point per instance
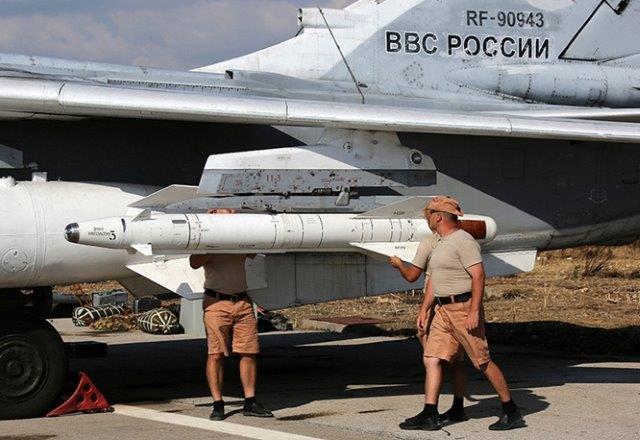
(166, 234)
(583, 84)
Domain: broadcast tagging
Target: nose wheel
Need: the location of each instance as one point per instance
(21, 367)
(33, 368)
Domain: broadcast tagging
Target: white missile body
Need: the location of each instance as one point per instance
(164, 234)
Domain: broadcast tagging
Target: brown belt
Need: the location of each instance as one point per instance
(463, 297)
(226, 297)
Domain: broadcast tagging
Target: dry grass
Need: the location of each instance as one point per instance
(595, 258)
(556, 305)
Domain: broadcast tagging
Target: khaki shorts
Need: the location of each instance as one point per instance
(448, 334)
(424, 335)
(230, 324)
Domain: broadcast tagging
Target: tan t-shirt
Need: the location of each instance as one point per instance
(225, 273)
(426, 247)
(450, 259)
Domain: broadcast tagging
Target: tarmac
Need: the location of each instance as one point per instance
(324, 385)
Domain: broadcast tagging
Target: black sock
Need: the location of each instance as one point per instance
(458, 403)
(218, 405)
(430, 410)
(248, 401)
(509, 407)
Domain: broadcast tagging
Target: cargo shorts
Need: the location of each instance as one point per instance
(423, 336)
(448, 334)
(230, 325)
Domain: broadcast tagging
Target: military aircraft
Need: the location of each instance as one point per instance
(523, 110)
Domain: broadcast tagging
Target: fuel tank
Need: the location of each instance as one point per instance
(33, 250)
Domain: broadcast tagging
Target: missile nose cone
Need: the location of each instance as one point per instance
(482, 78)
(72, 233)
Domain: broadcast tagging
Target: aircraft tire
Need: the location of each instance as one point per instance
(33, 368)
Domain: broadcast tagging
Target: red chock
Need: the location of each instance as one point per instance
(87, 398)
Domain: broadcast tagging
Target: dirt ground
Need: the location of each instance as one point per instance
(583, 300)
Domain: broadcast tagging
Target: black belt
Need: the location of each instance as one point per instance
(463, 297)
(225, 297)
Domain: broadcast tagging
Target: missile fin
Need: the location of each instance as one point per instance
(166, 196)
(408, 208)
(144, 215)
(144, 249)
(406, 250)
(175, 275)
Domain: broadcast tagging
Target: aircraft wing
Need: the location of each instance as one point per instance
(59, 98)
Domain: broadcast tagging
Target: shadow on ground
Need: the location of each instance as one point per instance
(298, 368)
(562, 336)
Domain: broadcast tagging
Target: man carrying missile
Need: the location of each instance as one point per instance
(456, 282)
(229, 322)
(425, 316)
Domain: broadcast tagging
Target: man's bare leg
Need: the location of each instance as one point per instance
(497, 380)
(215, 378)
(215, 374)
(458, 378)
(248, 373)
(511, 417)
(428, 418)
(433, 384)
(458, 383)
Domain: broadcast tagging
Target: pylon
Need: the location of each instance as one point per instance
(87, 398)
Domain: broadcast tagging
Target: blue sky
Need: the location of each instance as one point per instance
(179, 34)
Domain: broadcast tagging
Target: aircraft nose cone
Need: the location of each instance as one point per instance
(72, 233)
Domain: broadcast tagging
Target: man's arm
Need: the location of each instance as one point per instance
(410, 273)
(197, 261)
(477, 292)
(425, 307)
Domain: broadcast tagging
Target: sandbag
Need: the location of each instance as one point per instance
(84, 316)
(159, 322)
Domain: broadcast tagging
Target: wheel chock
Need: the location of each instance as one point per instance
(87, 399)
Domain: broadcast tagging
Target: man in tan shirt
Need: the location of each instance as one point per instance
(229, 322)
(456, 283)
(411, 273)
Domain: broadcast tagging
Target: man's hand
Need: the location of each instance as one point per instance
(221, 211)
(197, 261)
(410, 273)
(473, 321)
(421, 320)
(396, 262)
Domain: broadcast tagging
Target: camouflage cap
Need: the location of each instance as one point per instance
(445, 204)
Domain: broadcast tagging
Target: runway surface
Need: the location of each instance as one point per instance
(335, 386)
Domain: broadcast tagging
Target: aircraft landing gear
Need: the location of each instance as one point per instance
(33, 363)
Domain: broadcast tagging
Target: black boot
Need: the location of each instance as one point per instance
(453, 415)
(218, 411)
(426, 420)
(254, 409)
(508, 421)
